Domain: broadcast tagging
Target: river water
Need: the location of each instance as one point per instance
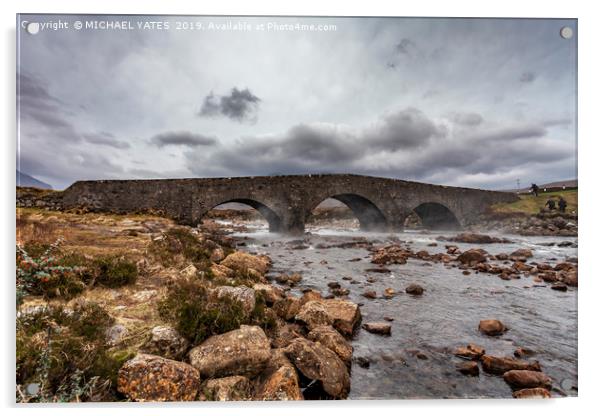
(446, 316)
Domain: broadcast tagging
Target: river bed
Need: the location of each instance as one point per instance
(446, 316)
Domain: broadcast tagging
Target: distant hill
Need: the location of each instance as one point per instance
(569, 183)
(23, 179)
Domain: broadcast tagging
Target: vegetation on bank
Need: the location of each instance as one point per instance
(532, 205)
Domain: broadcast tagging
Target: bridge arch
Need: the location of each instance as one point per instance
(437, 216)
(370, 216)
(270, 215)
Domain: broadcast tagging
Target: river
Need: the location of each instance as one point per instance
(446, 316)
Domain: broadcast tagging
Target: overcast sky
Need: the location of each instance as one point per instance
(477, 103)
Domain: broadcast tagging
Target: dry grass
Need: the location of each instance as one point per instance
(530, 204)
(94, 235)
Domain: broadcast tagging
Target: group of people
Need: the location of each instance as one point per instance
(551, 202)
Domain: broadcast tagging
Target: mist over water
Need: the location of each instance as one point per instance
(446, 316)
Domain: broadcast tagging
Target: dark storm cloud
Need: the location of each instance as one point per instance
(527, 77)
(105, 139)
(406, 47)
(182, 138)
(405, 144)
(239, 105)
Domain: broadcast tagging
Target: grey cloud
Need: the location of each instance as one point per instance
(467, 119)
(527, 77)
(239, 105)
(401, 130)
(105, 139)
(406, 47)
(182, 138)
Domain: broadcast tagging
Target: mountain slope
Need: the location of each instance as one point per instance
(23, 179)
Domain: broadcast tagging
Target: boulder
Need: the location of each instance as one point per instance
(388, 293)
(392, 254)
(289, 279)
(561, 287)
(370, 294)
(152, 378)
(345, 314)
(270, 293)
(526, 379)
(217, 255)
(471, 352)
(492, 327)
(226, 389)
(287, 307)
(473, 238)
(314, 314)
(220, 271)
(244, 351)
(317, 362)
(534, 393)
(472, 257)
(521, 352)
(468, 368)
(242, 294)
(166, 342)
(310, 295)
(333, 340)
(279, 381)
(379, 328)
(521, 253)
(247, 263)
(499, 365)
(415, 289)
(189, 271)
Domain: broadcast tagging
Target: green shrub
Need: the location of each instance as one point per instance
(196, 314)
(43, 274)
(114, 271)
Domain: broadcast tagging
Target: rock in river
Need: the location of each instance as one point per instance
(380, 328)
(415, 289)
(244, 351)
(525, 379)
(317, 362)
(471, 352)
(492, 327)
(147, 378)
(468, 368)
(535, 393)
(244, 262)
(333, 340)
(472, 257)
(499, 365)
(279, 381)
(343, 315)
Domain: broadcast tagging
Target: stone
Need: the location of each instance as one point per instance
(310, 295)
(166, 342)
(388, 293)
(287, 307)
(115, 334)
(415, 289)
(333, 340)
(379, 328)
(226, 389)
(317, 362)
(499, 365)
(471, 352)
(492, 327)
(242, 294)
(525, 379)
(370, 294)
(345, 314)
(534, 393)
(189, 271)
(221, 272)
(561, 287)
(521, 253)
(472, 257)
(523, 352)
(245, 262)
(279, 381)
(244, 351)
(217, 255)
(289, 279)
(468, 368)
(271, 294)
(150, 378)
(314, 314)
(473, 238)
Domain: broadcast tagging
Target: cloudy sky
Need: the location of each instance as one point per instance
(478, 103)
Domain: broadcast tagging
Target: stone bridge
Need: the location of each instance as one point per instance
(286, 202)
